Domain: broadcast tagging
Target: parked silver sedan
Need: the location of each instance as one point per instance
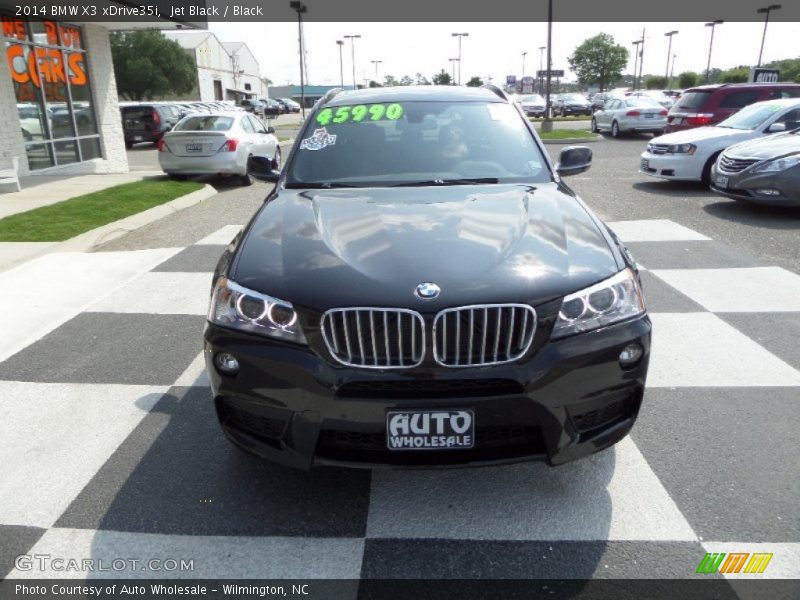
(631, 114)
(217, 143)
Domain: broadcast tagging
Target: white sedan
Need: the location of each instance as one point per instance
(638, 114)
(217, 143)
(689, 155)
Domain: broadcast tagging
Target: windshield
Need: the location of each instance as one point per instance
(573, 98)
(423, 142)
(206, 123)
(751, 116)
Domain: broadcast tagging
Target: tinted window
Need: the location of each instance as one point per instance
(784, 93)
(137, 112)
(693, 99)
(739, 99)
(207, 123)
(408, 142)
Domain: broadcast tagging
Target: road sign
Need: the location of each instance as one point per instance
(511, 79)
(527, 85)
(764, 75)
(558, 73)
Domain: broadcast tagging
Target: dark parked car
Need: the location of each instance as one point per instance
(289, 105)
(422, 288)
(571, 104)
(272, 108)
(147, 122)
(599, 99)
(253, 106)
(763, 171)
(711, 104)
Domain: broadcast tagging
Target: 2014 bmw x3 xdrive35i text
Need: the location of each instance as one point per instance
(422, 289)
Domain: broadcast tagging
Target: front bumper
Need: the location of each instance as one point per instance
(576, 110)
(568, 399)
(678, 167)
(534, 111)
(746, 185)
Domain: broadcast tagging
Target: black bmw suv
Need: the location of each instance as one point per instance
(422, 289)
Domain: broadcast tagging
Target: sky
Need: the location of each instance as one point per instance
(493, 49)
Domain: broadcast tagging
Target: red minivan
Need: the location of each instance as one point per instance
(710, 104)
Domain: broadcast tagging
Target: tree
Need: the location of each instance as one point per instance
(599, 60)
(736, 75)
(687, 79)
(374, 84)
(148, 65)
(390, 81)
(789, 68)
(422, 80)
(406, 80)
(655, 82)
(442, 78)
(475, 82)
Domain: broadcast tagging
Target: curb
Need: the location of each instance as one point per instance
(94, 238)
(574, 140)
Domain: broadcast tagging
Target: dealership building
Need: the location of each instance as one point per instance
(59, 109)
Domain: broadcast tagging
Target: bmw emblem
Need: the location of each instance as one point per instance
(427, 291)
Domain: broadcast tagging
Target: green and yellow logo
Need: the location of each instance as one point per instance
(734, 562)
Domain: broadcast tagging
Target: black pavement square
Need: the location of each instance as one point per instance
(663, 298)
(724, 456)
(16, 540)
(507, 559)
(176, 473)
(143, 349)
(194, 259)
(777, 332)
(695, 254)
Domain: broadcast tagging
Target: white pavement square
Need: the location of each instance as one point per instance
(55, 437)
(753, 289)
(655, 230)
(161, 294)
(46, 292)
(195, 374)
(221, 237)
(701, 350)
(590, 499)
(213, 557)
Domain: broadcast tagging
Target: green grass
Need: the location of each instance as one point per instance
(284, 138)
(556, 119)
(72, 217)
(565, 134)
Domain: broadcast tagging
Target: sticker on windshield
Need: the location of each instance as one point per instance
(321, 139)
(360, 113)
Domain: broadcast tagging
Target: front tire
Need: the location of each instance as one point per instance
(276, 160)
(615, 132)
(705, 178)
(594, 126)
(245, 180)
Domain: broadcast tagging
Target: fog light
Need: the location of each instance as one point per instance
(768, 192)
(226, 363)
(630, 355)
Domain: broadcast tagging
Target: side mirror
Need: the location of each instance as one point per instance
(260, 167)
(776, 127)
(574, 160)
(270, 129)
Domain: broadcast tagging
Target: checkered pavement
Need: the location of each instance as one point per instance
(110, 446)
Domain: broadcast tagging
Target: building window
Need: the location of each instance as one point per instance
(247, 87)
(48, 66)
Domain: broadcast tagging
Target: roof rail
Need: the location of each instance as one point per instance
(329, 95)
(496, 90)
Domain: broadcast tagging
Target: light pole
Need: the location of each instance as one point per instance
(547, 122)
(300, 8)
(459, 36)
(376, 63)
(524, 54)
(641, 61)
(635, 61)
(671, 72)
(669, 34)
(453, 61)
(353, 39)
(340, 43)
(765, 11)
(712, 24)
(541, 67)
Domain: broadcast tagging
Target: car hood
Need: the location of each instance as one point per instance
(373, 246)
(707, 134)
(771, 146)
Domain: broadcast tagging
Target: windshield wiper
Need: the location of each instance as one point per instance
(320, 185)
(433, 182)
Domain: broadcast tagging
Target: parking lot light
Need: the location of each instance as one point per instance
(353, 39)
(300, 8)
(712, 24)
(669, 34)
(765, 11)
(459, 36)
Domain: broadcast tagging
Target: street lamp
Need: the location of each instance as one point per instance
(459, 36)
(541, 67)
(547, 122)
(524, 54)
(669, 34)
(453, 61)
(635, 61)
(376, 63)
(712, 24)
(300, 8)
(340, 43)
(765, 11)
(353, 39)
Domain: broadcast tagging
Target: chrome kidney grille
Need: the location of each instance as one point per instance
(483, 334)
(375, 338)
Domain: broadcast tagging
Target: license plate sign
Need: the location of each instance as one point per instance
(645, 163)
(721, 181)
(430, 430)
(648, 115)
(194, 147)
(138, 138)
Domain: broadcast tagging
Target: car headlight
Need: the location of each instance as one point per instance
(681, 149)
(779, 164)
(247, 310)
(615, 299)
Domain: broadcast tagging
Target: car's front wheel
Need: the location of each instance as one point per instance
(276, 160)
(594, 126)
(615, 132)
